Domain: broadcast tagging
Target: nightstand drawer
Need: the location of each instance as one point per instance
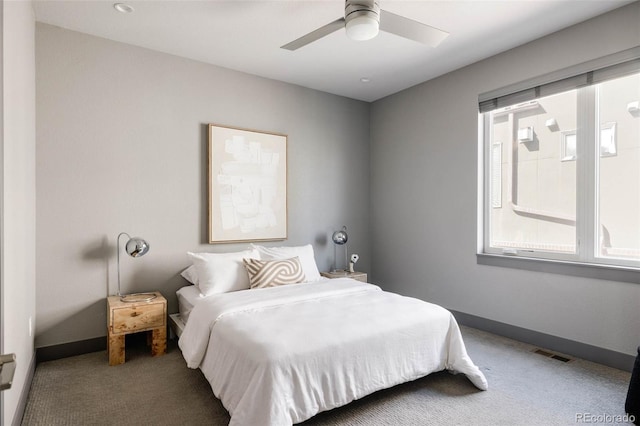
(359, 276)
(137, 318)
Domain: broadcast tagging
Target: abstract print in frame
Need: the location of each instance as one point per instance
(247, 185)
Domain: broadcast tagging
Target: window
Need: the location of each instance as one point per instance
(562, 168)
(569, 152)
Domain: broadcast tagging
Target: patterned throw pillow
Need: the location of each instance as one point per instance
(272, 273)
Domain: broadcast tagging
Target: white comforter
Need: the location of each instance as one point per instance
(280, 355)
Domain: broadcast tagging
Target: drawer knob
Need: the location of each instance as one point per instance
(134, 314)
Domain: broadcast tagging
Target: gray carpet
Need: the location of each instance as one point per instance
(525, 388)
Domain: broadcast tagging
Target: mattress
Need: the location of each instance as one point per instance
(188, 296)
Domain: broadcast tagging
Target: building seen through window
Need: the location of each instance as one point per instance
(562, 175)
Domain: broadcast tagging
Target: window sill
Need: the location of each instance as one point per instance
(586, 270)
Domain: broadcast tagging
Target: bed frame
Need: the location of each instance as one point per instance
(176, 324)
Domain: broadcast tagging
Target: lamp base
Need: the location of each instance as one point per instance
(137, 297)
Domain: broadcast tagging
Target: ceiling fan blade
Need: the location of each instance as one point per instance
(315, 35)
(413, 30)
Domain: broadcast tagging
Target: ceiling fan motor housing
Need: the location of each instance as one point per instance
(362, 18)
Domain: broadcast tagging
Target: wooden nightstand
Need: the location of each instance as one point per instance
(360, 276)
(134, 317)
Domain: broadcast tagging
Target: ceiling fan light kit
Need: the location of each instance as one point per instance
(363, 19)
(123, 8)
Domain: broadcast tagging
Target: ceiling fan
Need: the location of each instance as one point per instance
(362, 21)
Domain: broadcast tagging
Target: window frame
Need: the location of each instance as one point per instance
(588, 147)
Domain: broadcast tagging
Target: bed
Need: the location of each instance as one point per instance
(278, 356)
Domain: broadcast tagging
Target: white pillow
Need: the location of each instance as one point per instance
(190, 275)
(304, 253)
(222, 272)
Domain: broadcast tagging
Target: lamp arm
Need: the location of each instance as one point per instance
(346, 257)
(118, 257)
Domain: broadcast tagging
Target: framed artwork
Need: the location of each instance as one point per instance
(247, 185)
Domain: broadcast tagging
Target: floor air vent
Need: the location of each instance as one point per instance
(551, 355)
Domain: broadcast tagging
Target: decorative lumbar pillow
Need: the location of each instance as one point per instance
(221, 272)
(272, 273)
(304, 253)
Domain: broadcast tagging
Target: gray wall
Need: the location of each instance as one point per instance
(424, 186)
(121, 146)
(18, 212)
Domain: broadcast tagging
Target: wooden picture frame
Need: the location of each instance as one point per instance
(247, 185)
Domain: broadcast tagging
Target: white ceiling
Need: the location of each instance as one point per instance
(247, 35)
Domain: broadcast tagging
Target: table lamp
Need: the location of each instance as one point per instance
(340, 239)
(135, 247)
